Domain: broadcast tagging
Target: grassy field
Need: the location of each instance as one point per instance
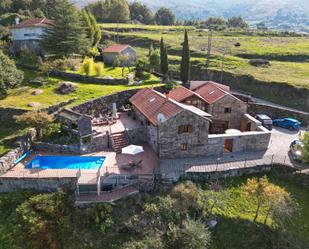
(289, 56)
(21, 97)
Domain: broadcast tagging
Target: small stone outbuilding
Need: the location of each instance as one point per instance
(112, 54)
(74, 123)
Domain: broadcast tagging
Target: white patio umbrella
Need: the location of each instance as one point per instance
(132, 150)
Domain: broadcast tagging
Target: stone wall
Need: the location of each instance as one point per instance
(137, 135)
(104, 104)
(278, 112)
(277, 92)
(40, 184)
(7, 114)
(238, 109)
(23, 144)
(197, 176)
(171, 142)
(244, 142)
(87, 79)
(56, 148)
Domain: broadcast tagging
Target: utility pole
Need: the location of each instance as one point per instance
(209, 48)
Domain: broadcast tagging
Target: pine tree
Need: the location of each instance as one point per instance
(163, 58)
(185, 60)
(66, 36)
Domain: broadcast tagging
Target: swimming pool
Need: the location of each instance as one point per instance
(66, 162)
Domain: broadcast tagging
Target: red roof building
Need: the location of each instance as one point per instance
(151, 103)
(210, 92)
(117, 48)
(35, 22)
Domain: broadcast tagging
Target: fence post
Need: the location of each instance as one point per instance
(245, 163)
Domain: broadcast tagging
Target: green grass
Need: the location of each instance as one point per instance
(289, 56)
(21, 97)
(236, 229)
(122, 26)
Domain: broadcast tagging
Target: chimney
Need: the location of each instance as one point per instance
(17, 19)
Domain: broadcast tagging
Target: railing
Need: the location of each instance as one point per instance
(225, 165)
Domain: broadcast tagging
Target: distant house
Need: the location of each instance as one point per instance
(112, 54)
(27, 34)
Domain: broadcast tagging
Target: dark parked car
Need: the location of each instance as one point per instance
(288, 123)
(296, 150)
(265, 120)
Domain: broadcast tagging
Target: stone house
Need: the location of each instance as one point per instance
(112, 54)
(214, 98)
(179, 130)
(75, 124)
(27, 34)
(172, 129)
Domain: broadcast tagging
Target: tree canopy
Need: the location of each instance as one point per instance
(66, 35)
(10, 76)
(110, 10)
(305, 149)
(185, 67)
(165, 16)
(141, 13)
(237, 22)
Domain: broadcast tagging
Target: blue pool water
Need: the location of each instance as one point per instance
(66, 162)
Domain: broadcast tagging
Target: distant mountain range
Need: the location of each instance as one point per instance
(278, 14)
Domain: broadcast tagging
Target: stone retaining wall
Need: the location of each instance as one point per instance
(277, 112)
(79, 77)
(103, 104)
(56, 148)
(89, 79)
(40, 184)
(24, 143)
(197, 176)
(7, 114)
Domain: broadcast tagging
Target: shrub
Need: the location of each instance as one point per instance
(259, 62)
(99, 67)
(193, 235)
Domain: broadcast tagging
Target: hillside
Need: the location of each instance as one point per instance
(288, 55)
(280, 14)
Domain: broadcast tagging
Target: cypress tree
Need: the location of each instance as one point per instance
(185, 67)
(163, 58)
(66, 36)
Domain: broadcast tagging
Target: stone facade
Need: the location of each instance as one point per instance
(244, 142)
(229, 109)
(172, 144)
(168, 143)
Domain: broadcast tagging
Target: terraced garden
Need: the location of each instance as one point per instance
(288, 55)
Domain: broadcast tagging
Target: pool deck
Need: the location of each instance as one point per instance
(112, 165)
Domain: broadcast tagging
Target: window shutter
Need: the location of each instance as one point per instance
(190, 129)
(180, 129)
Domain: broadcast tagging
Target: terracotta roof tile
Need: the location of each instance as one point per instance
(150, 103)
(180, 93)
(201, 83)
(35, 22)
(117, 48)
(210, 92)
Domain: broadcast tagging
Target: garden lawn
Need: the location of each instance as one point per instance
(21, 97)
(236, 229)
